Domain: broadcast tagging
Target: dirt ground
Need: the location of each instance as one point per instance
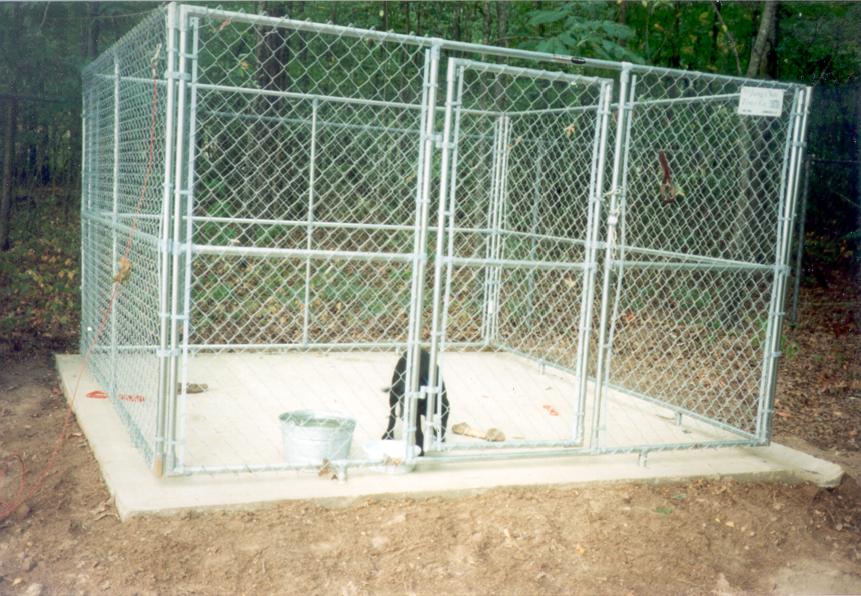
(697, 537)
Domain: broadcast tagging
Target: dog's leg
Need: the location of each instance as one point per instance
(420, 437)
(390, 429)
(396, 396)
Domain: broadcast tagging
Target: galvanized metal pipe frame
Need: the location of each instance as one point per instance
(799, 240)
(178, 250)
(785, 229)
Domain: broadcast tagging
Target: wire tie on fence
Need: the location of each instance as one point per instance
(777, 354)
(179, 76)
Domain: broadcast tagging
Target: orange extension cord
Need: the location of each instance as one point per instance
(25, 490)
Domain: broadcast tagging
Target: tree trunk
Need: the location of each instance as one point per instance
(715, 30)
(487, 21)
(621, 18)
(9, 127)
(758, 52)
(93, 30)
(675, 57)
(858, 144)
(502, 24)
(772, 65)
(457, 13)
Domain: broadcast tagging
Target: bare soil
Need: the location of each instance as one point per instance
(696, 537)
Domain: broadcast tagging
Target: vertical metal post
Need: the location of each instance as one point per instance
(451, 206)
(764, 423)
(501, 139)
(181, 430)
(488, 249)
(593, 223)
(165, 351)
(612, 222)
(619, 272)
(799, 247)
(420, 248)
(414, 308)
(436, 332)
(113, 390)
(499, 225)
(533, 248)
(786, 172)
(310, 229)
(180, 197)
(94, 205)
(85, 226)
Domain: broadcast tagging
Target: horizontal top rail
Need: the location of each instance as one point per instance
(533, 73)
(461, 46)
(186, 10)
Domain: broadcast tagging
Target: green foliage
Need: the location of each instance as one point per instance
(580, 29)
(40, 279)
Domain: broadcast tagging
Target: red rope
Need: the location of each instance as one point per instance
(26, 491)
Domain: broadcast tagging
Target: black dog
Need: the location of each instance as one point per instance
(396, 397)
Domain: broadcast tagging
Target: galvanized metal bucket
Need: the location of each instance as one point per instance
(311, 436)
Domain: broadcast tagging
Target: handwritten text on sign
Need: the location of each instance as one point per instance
(758, 101)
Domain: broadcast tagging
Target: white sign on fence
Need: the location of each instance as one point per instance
(759, 101)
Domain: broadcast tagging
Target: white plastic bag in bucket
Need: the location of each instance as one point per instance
(311, 436)
(392, 453)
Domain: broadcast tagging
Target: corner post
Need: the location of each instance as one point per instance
(165, 349)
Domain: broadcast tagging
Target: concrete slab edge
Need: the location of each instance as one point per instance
(110, 444)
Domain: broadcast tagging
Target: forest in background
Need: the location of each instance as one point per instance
(45, 45)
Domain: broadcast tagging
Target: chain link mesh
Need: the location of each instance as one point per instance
(122, 203)
(525, 149)
(694, 269)
(310, 158)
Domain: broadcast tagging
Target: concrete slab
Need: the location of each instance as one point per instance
(138, 491)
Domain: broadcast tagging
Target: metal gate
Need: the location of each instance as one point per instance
(521, 171)
(695, 260)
